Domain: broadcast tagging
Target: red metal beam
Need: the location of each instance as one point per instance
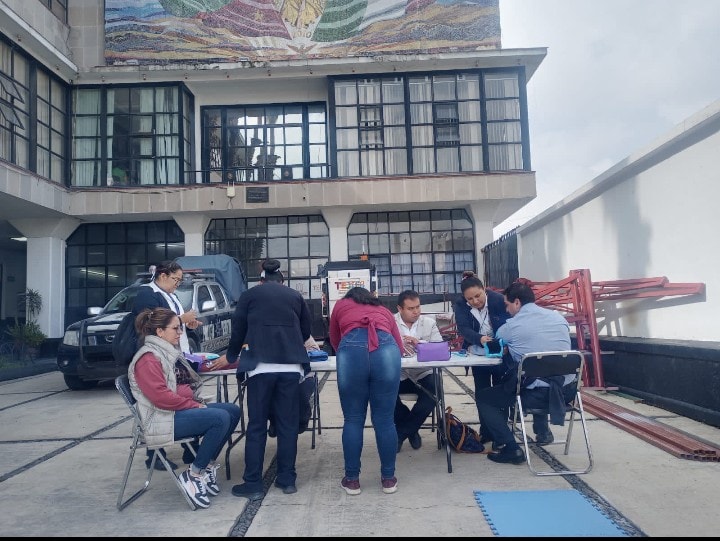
(575, 297)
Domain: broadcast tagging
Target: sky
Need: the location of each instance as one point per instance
(618, 75)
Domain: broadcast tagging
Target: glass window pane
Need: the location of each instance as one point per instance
(421, 242)
(317, 133)
(320, 246)
(345, 93)
(501, 85)
(293, 135)
(347, 139)
(277, 248)
(468, 86)
(393, 90)
(444, 88)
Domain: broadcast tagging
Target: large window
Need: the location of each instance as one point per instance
(101, 259)
(370, 127)
(425, 250)
(58, 8)
(33, 116)
(134, 135)
(434, 123)
(300, 243)
(51, 127)
(264, 143)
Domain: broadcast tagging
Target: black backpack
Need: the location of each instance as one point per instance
(124, 344)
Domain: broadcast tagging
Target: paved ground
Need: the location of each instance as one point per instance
(62, 454)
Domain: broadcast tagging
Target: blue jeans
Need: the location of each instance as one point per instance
(278, 392)
(368, 378)
(215, 424)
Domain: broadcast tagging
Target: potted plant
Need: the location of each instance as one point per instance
(28, 336)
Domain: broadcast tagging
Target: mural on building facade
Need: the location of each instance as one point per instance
(178, 31)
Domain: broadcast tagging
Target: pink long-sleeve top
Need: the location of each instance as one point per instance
(151, 380)
(348, 315)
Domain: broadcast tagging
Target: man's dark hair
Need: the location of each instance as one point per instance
(362, 296)
(519, 291)
(408, 294)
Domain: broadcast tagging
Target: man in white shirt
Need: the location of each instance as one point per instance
(414, 328)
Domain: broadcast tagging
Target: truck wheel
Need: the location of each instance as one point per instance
(74, 383)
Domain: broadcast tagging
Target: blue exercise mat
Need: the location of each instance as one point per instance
(544, 513)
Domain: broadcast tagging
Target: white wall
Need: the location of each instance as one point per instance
(657, 213)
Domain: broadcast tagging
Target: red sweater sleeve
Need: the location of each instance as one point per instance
(151, 380)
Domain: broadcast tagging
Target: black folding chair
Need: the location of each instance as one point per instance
(543, 365)
(122, 384)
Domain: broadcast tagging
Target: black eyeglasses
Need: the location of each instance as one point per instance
(177, 280)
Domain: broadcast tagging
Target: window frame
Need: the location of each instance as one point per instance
(401, 263)
(277, 156)
(435, 143)
(108, 165)
(20, 122)
(278, 237)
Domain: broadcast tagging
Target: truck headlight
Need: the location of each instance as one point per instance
(71, 338)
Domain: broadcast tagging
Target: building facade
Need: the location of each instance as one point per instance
(134, 131)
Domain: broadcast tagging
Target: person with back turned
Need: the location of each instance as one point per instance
(269, 329)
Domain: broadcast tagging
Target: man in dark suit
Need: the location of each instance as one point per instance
(269, 329)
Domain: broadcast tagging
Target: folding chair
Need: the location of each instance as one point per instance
(547, 364)
(122, 384)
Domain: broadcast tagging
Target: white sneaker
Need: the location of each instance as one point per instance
(195, 488)
(210, 479)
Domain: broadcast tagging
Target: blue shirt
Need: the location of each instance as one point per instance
(534, 329)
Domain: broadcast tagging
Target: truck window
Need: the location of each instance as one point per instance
(219, 297)
(203, 295)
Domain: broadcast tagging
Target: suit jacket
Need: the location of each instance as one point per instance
(271, 324)
(469, 327)
(150, 296)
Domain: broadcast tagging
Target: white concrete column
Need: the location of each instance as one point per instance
(483, 230)
(337, 220)
(194, 226)
(46, 267)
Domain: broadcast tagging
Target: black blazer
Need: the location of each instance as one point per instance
(469, 327)
(270, 324)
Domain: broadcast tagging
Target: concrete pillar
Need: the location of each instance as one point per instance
(46, 267)
(483, 232)
(337, 220)
(194, 226)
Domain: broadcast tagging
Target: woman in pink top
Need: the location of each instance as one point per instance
(368, 349)
(167, 391)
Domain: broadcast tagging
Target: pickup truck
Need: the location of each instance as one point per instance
(85, 355)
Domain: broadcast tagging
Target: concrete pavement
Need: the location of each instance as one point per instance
(63, 454)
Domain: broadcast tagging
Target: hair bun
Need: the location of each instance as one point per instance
(271, 265)
(468, 274)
